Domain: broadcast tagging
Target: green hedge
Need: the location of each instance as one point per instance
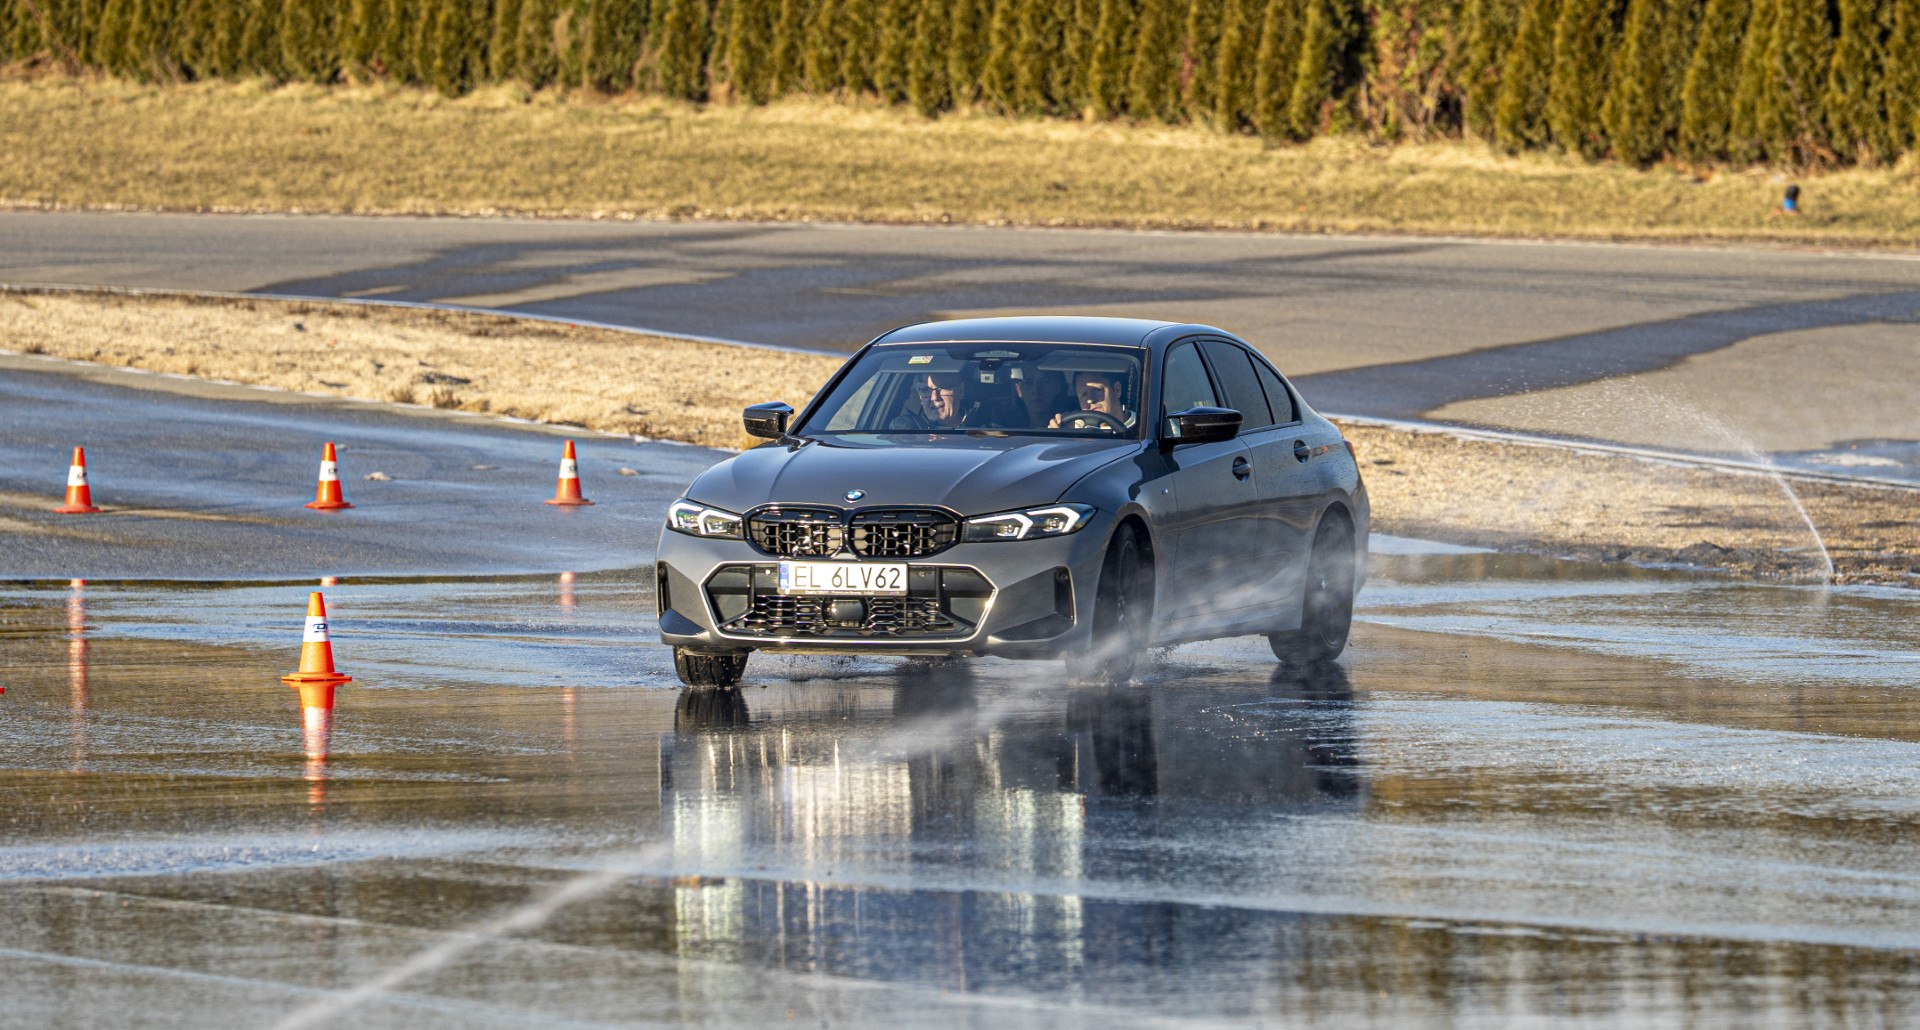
(1808, 82)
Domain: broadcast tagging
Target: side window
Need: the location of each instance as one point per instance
(1279, 398)
(1237, 379)
(1185, 384)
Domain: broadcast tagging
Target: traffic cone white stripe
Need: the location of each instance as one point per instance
(316, 632)
(329, 472)
(76, 475)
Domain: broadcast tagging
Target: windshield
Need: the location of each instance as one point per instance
(995, 389)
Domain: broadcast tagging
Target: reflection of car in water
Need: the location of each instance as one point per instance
(989, 827)
(1023, 487)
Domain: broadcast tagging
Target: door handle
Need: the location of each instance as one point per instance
(1241, 468)
(1301, 450)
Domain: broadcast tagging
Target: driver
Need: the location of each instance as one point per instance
(943, 404)
(1096, 391)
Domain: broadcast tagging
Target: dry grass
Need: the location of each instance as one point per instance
(1612, 508)
(597, 379)
(247, 147)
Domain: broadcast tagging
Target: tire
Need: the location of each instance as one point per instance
(1326, 609)
(1122, 615)
(709, 670)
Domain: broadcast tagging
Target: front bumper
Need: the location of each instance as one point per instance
(1012, 599)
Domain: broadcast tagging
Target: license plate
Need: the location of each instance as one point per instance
(841, 577)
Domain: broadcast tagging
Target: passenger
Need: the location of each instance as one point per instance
(1044, 396)
(1101, 392)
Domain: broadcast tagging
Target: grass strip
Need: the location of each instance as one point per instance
(1514, 497)
(503, 151)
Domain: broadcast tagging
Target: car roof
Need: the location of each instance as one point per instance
(1046, 329)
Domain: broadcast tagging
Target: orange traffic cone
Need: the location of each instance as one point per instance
(568, 492)
(326, 496)
(79, 496)
(316, 678)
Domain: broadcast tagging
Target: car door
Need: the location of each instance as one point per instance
(1208, 488)
(1277, 548)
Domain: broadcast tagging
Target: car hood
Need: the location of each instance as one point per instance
(973, 476)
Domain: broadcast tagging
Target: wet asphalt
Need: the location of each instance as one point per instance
(208, 482)
(1534, 792)
(1517, 800)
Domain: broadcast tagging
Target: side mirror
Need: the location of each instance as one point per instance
(768, 421)
(1201, 425)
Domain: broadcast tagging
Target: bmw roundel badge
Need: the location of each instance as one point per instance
(855, 494)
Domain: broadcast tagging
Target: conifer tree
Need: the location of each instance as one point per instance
(858, 36)
(1706, 98)
(259, 48)
(1901, 81)
(395, 48)
(680, 62)
(1326, 32)
(224, 25)
(1855, 101)
(1679, 30)
(1066, 74)
(538, 52)
(456, 46)
(503, 41)
(927, 58)
(1153, 86)
(820, 64)
(359, 36)
(997, 74)
(1274, 63)
(1520, 113)
(1753, 95)
(23, 33)
(1634, 113)
(149, 30)
(893, 31)
(1578, 82)
(968, 42)
(1199, 58)
(1109, 59)
(107, 45)
(614, 31)
(1803, 42)
(789, 38)
(1042, 81)
(1489, 35)
(307, 36)
(1234, 68)
(749, 50)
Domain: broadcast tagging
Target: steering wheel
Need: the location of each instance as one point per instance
(1109, 423)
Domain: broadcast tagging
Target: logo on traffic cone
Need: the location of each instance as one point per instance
(317, 677)
(568, 492)
(326, 496)
(79, 496)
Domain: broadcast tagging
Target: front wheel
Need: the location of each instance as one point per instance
(1122, 614)
(1326, 610)
(709, 670)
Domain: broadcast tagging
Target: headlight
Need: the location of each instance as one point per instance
(684, 516)
(1053, 520)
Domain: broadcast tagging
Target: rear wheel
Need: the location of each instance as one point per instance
(709, 670)
(1122, 614)
(1326, 610)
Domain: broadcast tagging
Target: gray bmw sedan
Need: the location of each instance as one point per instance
(1035, 487)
